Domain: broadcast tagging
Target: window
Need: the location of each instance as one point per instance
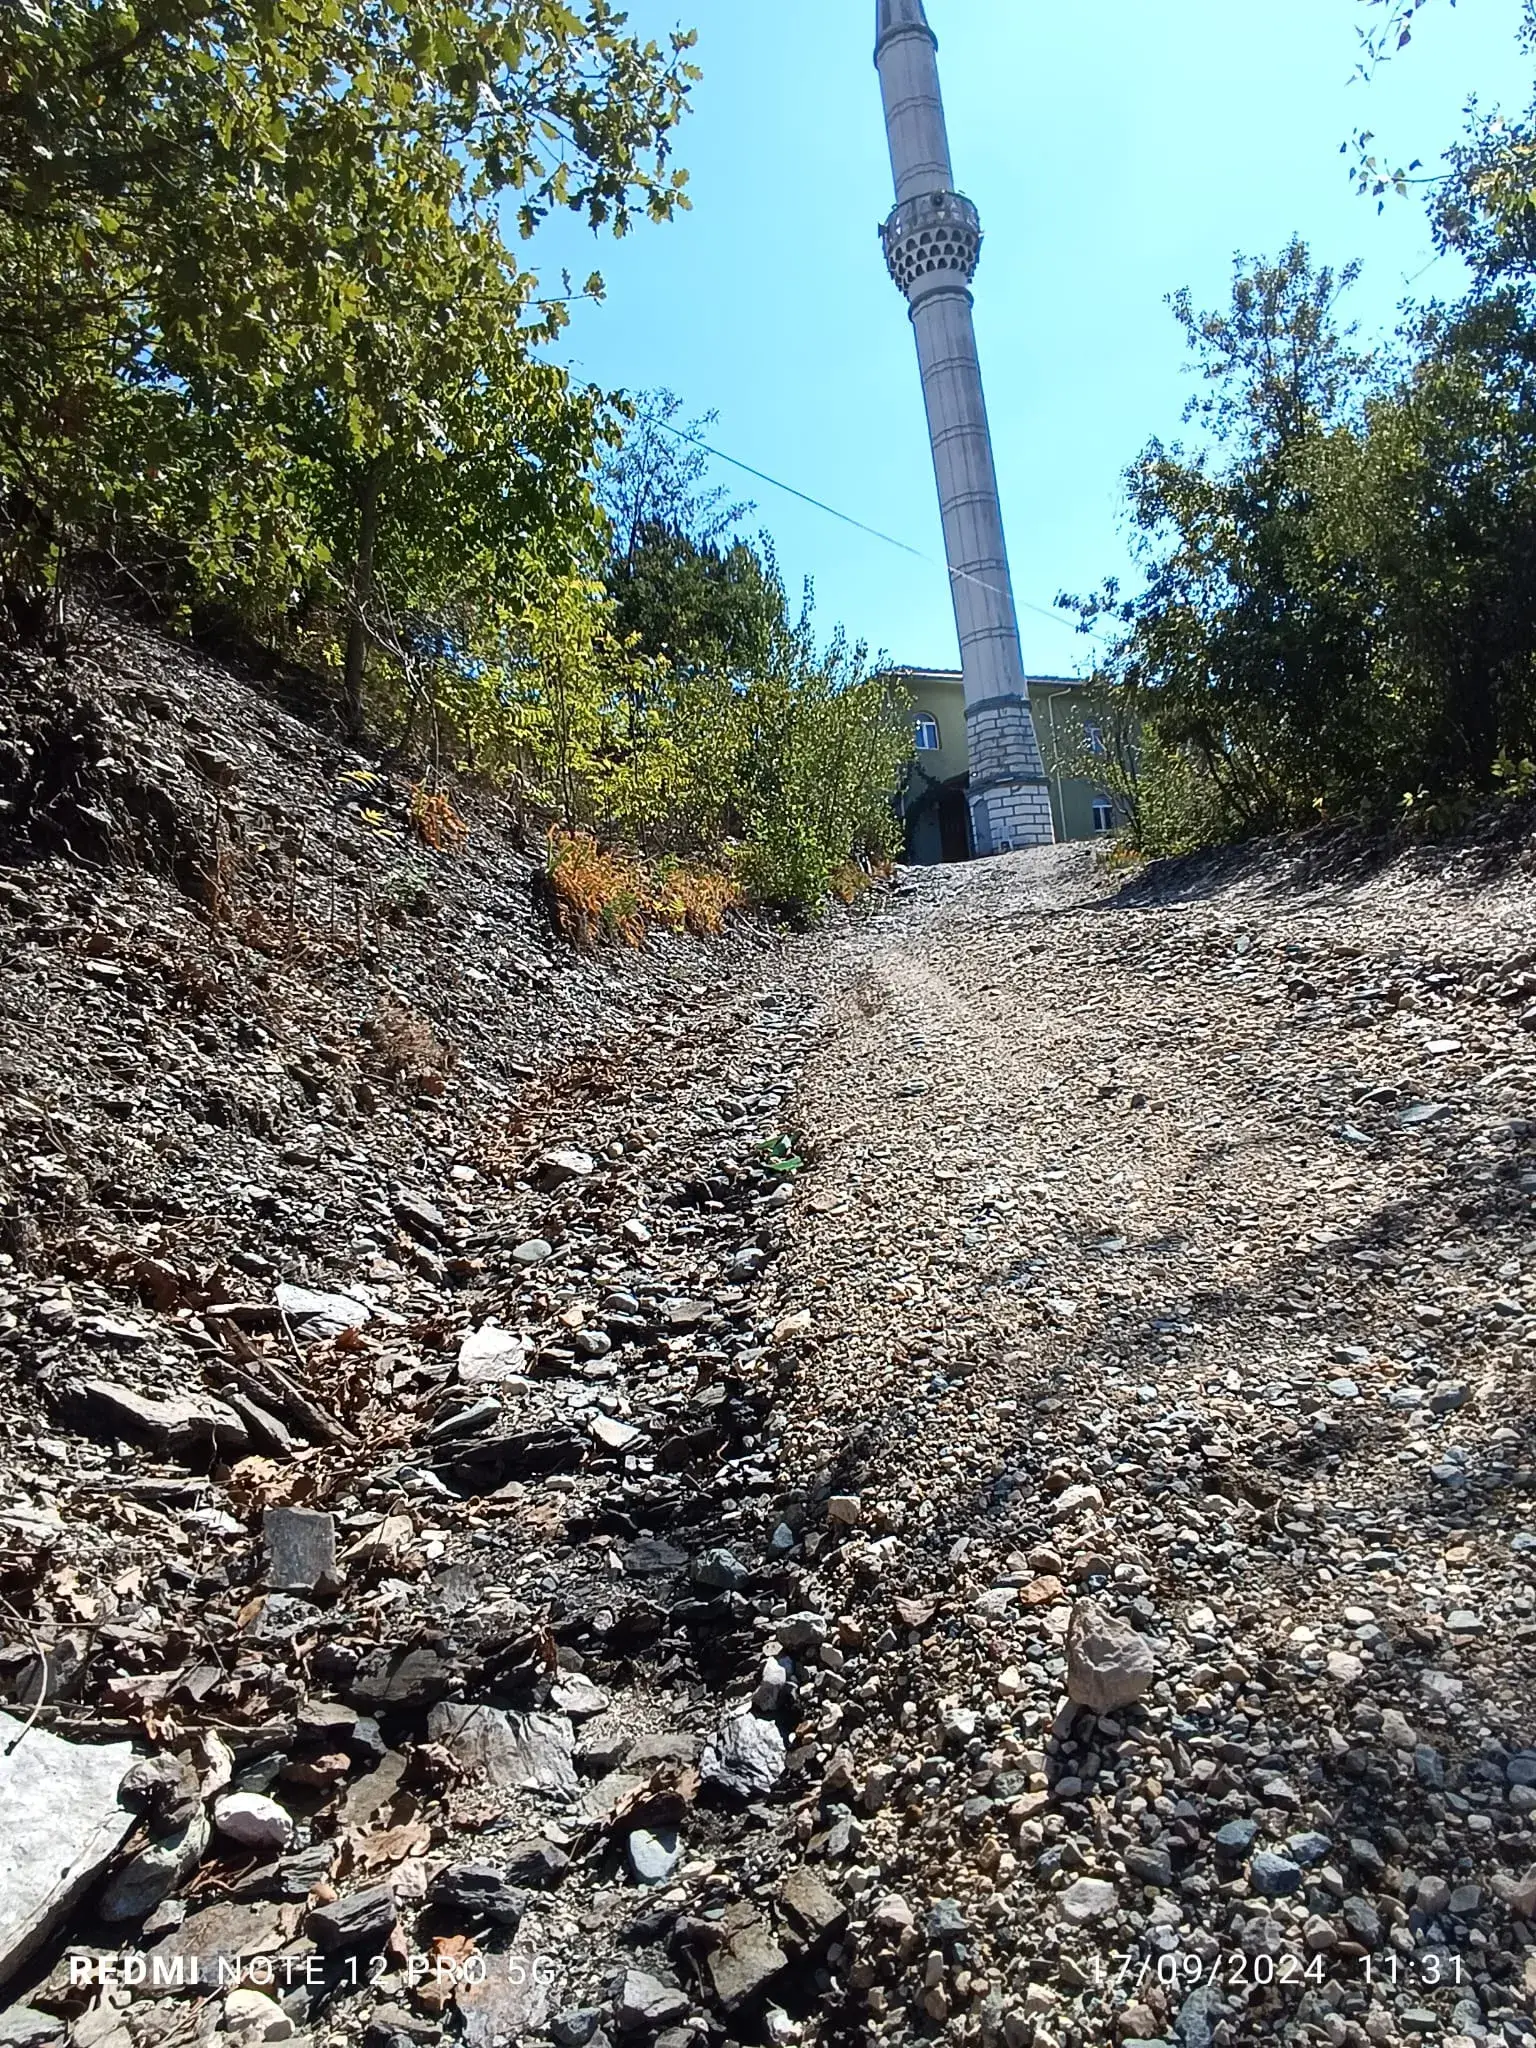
(1103, 814)
(1093, 736)
(926, 733)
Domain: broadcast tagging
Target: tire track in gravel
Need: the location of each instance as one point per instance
(1177, 1254)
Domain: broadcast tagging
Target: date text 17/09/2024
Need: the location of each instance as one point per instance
(1237, 1970)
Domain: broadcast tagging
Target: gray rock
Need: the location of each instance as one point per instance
(746, 1756)
(562, 1164)
(814, 1911)
(673, 1747)
(23, 2026)
(533, 1251)
(1108, 1664)
(61, 1822)
(1432, 1895)
(574, 2029)
(1152, 1866)
(945, 1924)
(314, 1317)
(511, 2003)
(1196, 2023)
(516, 1752)
(156, 1871)
(466, 1421)
(184, 1423)
(614, 1435)
(396, 1678)
(643, 2003)
(1089, 1899)
(1363, 1921)
(719, 1571)
(746, 1965)
(423, 1219)
(1273, 1876)
(301, 1549)
(536, 1865)
(362, 1920)
(1307, 1849)
(478, 1891)
(391, 2026)
(650, 1557)
(575, 1694)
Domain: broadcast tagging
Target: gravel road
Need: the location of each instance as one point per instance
(1171, 1247)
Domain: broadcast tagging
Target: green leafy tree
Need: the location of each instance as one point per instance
(1338, 614)
(254, 261)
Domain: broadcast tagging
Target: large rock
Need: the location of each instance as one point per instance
(314, 1317)
(183, 1423)
(60, 1823)
(562, 1164)
(1089, 1899)
(1108, 1664)
(511, 2003)
(516, 1752)
(156, 1871)
(642, 2003)
(746, 1757)
(301, 1549)
(490, 1356)
(364, 1920)
(254, 1821)
(746, 1965)
(477, 1891)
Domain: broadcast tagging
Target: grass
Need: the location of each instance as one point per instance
(604, 893)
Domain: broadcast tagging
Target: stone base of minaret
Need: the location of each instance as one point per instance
(1010, 797)
(1011, 815)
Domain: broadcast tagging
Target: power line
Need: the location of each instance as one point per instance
(847, 518)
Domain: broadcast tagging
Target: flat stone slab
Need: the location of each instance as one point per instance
(180, 1421)
(518, 1752)
(512, 2002)
(317, 1316)
(60, 1822)
(301, 1549)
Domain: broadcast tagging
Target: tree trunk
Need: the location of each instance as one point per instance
(361, 596)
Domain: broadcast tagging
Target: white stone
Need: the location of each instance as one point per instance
(1090, 1898)
(60, 1821)
(255, 2017)
(254, 1821)
(1108, 1664)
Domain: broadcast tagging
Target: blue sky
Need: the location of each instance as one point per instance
(1118, 150)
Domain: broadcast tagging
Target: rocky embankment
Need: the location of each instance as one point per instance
(965, 1478)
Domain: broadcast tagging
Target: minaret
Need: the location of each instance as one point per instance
(932, 242)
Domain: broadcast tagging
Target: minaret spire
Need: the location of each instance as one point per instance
(932, 244)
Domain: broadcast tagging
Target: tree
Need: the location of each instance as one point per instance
(1339, 608)
(253, 260)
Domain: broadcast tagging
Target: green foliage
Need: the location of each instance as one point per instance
(252, 265)
(271, 354)
(1338, 606)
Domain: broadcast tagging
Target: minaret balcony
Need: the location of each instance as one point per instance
(935, 235)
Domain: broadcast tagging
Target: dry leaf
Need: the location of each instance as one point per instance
(916, 1613)
(389, 1845)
